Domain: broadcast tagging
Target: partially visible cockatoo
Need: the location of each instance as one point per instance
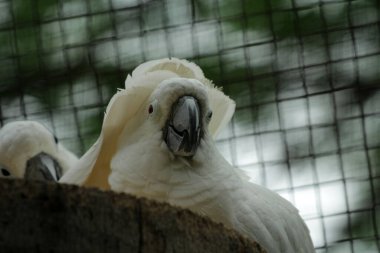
(157, 142)
(28, 150)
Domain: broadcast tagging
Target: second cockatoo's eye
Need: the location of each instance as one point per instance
(5, 172)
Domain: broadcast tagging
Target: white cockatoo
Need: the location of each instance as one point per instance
(157, 142)
(28, 150)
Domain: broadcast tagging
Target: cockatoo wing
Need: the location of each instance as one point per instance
(280, 228)
(79, 172)
(93, 167)
(218, 191)
(254, 211)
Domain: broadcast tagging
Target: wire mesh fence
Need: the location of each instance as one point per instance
(305, 75)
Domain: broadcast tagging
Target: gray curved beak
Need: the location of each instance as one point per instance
(182, 131)
(43, 167)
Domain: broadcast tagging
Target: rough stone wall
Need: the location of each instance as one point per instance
(49, 217)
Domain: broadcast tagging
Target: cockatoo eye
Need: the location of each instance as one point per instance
(150, 109)
(5, 172)
(209, 115)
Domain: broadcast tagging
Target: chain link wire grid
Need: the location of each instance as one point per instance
(305, 75)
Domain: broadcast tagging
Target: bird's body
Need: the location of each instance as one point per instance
(157, 142)
(28, 150)
(215, 190)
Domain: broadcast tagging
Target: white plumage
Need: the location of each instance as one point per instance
(134, 154)
(28, 150)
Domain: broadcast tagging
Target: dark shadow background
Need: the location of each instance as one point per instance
(305, 75)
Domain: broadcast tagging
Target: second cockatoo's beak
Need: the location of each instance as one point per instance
(182, 130)
(43, 167)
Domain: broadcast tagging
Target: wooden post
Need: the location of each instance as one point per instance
(50, 217)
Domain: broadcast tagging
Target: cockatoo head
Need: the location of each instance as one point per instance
(28, 150)
(179, 107)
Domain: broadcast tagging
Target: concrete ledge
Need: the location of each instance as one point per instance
(49, 217)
